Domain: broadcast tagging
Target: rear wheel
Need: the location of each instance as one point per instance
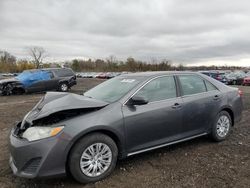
(93, 158)
(222, 126)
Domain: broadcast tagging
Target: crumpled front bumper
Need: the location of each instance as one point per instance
(1, 89)
(41, 158)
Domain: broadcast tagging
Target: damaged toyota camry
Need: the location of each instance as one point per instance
(85, 135)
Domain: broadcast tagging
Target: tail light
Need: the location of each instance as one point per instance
(240, 92)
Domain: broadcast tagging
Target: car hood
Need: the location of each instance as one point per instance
(54, 102)
(8, 80)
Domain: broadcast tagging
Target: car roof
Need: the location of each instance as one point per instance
(44, 69)
(157, 73)
(55, 68)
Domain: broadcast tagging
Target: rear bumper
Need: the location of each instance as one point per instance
(72, 83)
(42, 158)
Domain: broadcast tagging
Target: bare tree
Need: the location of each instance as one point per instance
(111, 59)
(38, 54)
(6, 57)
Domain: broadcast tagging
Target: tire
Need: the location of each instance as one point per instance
(80, 173)
(8, 90)
(221, 127)
(63, 87)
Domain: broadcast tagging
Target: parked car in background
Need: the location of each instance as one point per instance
(101, 75)
(78, 74)
(235, 78)
(7, 74)
(61, 79)
(91, 75)
(86, 75)
(214, 74)
(124, 116)
(104, 75)
(246, 80)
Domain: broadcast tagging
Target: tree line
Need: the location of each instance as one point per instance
(9, 63)
(132, 65)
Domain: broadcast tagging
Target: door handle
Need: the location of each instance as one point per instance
(216, 97)
(176, 105)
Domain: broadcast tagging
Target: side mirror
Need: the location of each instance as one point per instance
(137, 100)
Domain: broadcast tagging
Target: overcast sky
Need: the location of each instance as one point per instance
(184, 31)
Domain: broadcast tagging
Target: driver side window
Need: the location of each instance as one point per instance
(158, 89)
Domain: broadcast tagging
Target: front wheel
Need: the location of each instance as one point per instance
(93, 158)
(8, 89)
(222, 126)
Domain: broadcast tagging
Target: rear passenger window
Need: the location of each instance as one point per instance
(63, 72)
(210, 87)
(192, 84)
(158, 89)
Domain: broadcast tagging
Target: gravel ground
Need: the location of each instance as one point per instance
(196, 163)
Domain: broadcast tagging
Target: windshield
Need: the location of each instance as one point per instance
(24, 75)
(113, 89)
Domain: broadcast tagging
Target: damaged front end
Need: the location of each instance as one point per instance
(1, 89)
(11, 86)
(42, 121)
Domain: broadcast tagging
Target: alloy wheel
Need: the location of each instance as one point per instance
(64, 87)
(223, 126)
(95, 159)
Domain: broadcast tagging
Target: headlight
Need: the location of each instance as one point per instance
(36, 133)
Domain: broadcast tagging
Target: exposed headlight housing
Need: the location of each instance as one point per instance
(37, 133)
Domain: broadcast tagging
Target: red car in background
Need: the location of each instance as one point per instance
(246, 80)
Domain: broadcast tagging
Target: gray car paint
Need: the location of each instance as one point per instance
(134, 128)
(57, 101)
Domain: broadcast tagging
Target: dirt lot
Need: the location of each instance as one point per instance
(196, 163)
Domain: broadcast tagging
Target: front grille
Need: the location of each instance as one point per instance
(31, 166)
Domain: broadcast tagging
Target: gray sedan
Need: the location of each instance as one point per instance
(84, 135)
